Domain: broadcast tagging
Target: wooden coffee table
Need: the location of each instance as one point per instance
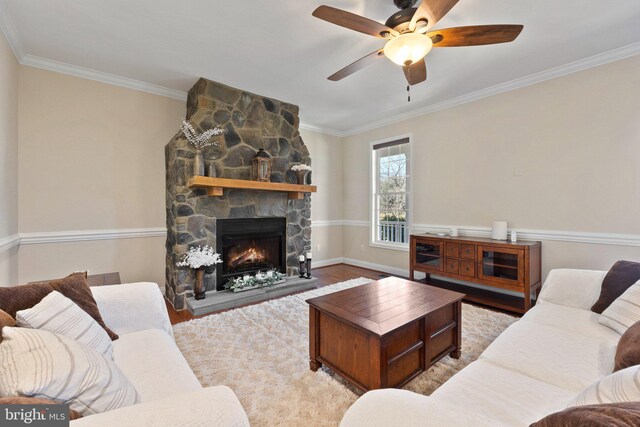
(383, 334)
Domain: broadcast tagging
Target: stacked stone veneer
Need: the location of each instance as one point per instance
(251, 122)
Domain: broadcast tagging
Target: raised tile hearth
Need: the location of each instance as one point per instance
(223, 300)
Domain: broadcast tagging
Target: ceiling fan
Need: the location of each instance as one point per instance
(408, 36)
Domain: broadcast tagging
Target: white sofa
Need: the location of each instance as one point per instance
(147, 354)
(534, 368)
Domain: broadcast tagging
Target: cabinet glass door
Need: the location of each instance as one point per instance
(429, 255)
(501, 265)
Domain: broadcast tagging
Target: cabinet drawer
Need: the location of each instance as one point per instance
(468, 268)
(468, 252)
(451, 249)
(451, 266)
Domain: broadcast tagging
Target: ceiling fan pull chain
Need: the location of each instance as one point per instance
(408, 93)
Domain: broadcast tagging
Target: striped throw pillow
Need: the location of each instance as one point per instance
(42, 364)
(624, 311)
(621, 386)
(57, 313)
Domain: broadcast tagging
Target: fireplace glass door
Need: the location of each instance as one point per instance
(249, 245)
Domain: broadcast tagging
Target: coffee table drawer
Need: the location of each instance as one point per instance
(442, 343)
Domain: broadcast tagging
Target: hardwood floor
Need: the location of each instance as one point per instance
(325, 275)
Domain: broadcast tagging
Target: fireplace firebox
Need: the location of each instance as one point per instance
(249, 245)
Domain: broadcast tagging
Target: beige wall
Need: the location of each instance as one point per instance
(92, 158)
(559, 155)
(137, 260)
(8, 159)
(326, 204)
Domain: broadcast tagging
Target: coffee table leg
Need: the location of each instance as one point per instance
(314, 365)
(458, 331)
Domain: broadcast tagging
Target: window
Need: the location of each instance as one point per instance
(391, 192)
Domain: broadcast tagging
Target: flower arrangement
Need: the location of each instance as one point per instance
(300, 167)
(199, 141)
(200, 257)
(270, 278)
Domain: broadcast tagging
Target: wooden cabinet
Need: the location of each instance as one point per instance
(497, 264)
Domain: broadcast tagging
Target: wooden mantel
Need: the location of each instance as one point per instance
(216, 186)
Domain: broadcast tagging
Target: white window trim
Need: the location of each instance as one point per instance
(404, 247)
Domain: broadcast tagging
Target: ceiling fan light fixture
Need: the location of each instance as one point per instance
(408, 48)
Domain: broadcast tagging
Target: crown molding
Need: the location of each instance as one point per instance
(551, 73)
(9, 242)
(11, 35)
(99, 76)
(325, 131)
(90, 74)
(90, 235)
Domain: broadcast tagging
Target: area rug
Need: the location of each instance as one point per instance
(262, 353)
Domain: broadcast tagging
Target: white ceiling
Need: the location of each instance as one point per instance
(277, 49)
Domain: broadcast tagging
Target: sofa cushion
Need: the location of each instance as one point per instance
(76, 288)
(73, 415)
(391, 407)
(14, 298)
(508, 396)
(57, 313)
(620, 277)
(628, 351)
(608, 415)
(152, 362)
(574, 320)
(572, 287)
(39, 363)
(620, 386)
(5, 320)
(624, 311)
(208, 407)
(552, 355)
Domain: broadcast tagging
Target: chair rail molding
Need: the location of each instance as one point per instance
(90, 235)
(9, 242)
(619, 239)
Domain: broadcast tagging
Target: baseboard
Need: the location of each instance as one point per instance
(378, 267)
(327, 262)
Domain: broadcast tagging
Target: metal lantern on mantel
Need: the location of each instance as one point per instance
(261, 166)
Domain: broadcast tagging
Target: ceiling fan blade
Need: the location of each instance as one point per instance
(416, 72)
(357, 65)
(474, 35)
(432, 11)
(353, 22)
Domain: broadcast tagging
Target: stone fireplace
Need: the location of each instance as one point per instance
(251, 122)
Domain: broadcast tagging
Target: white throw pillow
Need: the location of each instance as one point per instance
(624, 311)
(621, 386)
(57, 313)
(39, 363)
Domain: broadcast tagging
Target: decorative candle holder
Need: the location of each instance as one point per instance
(308, 265)
(301, 270)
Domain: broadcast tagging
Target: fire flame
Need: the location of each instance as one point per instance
(251, 255)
